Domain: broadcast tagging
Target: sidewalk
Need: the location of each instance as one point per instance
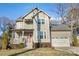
(74, 50)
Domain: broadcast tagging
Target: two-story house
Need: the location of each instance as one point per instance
(34, 30)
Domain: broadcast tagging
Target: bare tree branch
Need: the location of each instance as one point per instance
(4, 23)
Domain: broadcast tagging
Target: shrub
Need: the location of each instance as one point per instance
(75, 40)
(21, 45)
(4, 40)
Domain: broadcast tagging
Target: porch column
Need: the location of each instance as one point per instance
(22, 37)
(22, 33)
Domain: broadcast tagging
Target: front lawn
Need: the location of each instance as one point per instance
(11, 52)
(35, 52)
(46, 52)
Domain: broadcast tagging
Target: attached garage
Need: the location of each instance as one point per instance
(60, 36)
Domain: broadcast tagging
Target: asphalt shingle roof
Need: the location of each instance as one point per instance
(60, 27)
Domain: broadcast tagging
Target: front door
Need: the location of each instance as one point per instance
(28, 41)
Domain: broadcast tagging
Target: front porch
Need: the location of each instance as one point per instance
(23, 36)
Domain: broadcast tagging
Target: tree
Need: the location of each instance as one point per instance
(61, 11)
(4, 23)
(4, 40)
(72, 21)
(5, 27)
(69, 15)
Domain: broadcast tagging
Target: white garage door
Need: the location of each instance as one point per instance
(60, 42)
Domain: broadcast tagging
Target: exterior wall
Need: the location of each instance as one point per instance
(43, 27)
(17, 39)
(61, 34)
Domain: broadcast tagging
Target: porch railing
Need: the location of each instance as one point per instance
(30, 26)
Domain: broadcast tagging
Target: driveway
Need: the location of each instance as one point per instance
(73, 50)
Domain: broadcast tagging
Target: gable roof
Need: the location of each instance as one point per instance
(40, 12)
(30, 12)
(22, 17)
(19, 19)
(61, 27)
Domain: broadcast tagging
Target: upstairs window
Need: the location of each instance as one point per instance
(41, 21)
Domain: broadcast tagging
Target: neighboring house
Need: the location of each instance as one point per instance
(33, 29)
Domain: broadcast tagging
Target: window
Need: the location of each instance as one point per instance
(41, 21)
(41, 35)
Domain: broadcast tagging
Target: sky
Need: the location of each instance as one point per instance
(15, 10)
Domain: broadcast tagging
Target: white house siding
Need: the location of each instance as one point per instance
(30, 15)
(22, 25)
(19, 25)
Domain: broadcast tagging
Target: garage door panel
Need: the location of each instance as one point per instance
(60, 43)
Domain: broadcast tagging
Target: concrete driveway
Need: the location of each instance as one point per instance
(73, 50)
